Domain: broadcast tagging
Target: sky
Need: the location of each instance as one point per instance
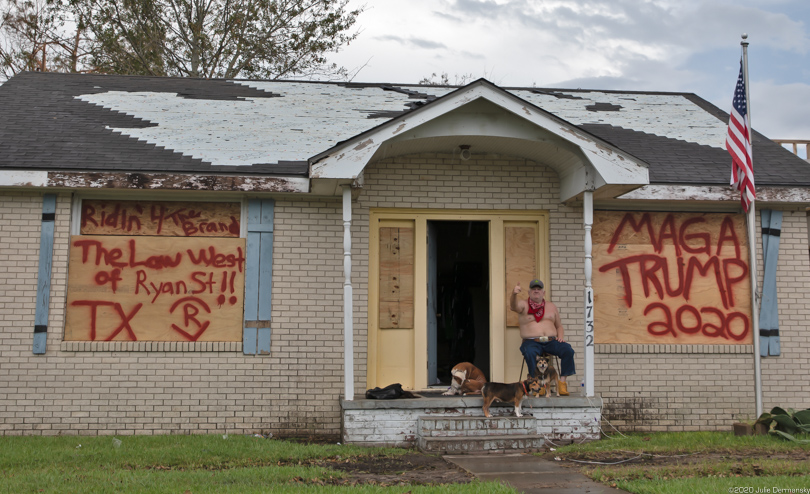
(647, 45)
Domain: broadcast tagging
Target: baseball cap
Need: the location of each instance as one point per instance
(535, 283)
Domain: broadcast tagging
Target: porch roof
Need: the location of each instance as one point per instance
(488, 119)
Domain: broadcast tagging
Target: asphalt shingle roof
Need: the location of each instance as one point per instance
(151, 124)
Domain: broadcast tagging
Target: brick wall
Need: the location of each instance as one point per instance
(33, 388)
(646, 388)
(689, 387)
(126, 388)
(786, 379)
(151, 388)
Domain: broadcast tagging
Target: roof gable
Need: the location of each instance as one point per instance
(481, 109)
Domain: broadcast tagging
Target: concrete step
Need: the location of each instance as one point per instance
(510, 443)
(455, 434)
(468, 426)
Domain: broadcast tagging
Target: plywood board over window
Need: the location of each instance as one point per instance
(126, 288)
(395, 285)
(522, 263)
(671, 278)
(160, 218)
(520, 243)
(396, 277)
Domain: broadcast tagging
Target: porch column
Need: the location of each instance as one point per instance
(348, 319)
(589, 358)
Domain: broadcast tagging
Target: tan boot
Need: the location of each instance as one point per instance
(563, 388)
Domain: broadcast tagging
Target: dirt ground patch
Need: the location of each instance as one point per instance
(411, 468)
(420, 469)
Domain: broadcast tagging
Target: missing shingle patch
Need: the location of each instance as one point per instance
(603, 107)
(556, 94)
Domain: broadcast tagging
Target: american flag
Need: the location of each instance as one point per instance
(739, 146)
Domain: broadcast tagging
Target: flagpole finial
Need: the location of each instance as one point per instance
(744, 41)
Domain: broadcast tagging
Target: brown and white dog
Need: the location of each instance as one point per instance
(547, 374)
(509, 393)
(467, 379)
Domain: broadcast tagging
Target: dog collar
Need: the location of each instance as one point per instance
(525, 391)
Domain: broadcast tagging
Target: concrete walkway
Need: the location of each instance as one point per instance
(530, 474)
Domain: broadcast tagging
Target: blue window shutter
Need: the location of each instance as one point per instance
(769, 307)
(258, 276)
(44, 276)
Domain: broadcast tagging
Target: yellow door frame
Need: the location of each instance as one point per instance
(410, 344)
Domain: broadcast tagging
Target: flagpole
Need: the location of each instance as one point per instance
(752, 251)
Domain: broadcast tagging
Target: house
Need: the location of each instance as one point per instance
(190, 256)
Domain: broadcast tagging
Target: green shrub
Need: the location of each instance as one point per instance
(786, 423)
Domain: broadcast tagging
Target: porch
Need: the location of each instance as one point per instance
(456, 424)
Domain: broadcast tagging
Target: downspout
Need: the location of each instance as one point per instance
(587, 200)
(348, 319)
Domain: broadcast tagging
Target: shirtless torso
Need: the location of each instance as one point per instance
(549, 325)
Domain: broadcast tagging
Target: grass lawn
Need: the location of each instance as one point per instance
(693, 462)
(690, 462)
(188, 464)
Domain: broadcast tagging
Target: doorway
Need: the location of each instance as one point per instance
(458, 297)
(409, 335)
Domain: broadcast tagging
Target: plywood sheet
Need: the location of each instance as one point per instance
(155, 289)
(166, 218)
(521, 264)
(671, 278)
(396, 277)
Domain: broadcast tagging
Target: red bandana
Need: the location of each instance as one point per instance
(537, 309)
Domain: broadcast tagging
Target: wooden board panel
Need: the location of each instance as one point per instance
(521, 266)
(396, 277)
(167, 218)
(671, 278)
(155, 289)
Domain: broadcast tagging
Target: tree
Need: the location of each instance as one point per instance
(37, 35)
(266, 39)
(444, 80)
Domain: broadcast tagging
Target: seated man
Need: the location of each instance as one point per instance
(542, 331)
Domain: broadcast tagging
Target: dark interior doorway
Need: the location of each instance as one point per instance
(458, 297)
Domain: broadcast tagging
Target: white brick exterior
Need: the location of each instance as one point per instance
(162, 388)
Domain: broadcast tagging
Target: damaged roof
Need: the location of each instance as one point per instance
(153, 124)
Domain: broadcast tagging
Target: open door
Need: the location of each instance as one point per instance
(432, 322)
(458, 273)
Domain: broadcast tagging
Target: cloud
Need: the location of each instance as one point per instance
(603, 82)
(779, 110)
(616, 29)
(647, 46)
(412, 41)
